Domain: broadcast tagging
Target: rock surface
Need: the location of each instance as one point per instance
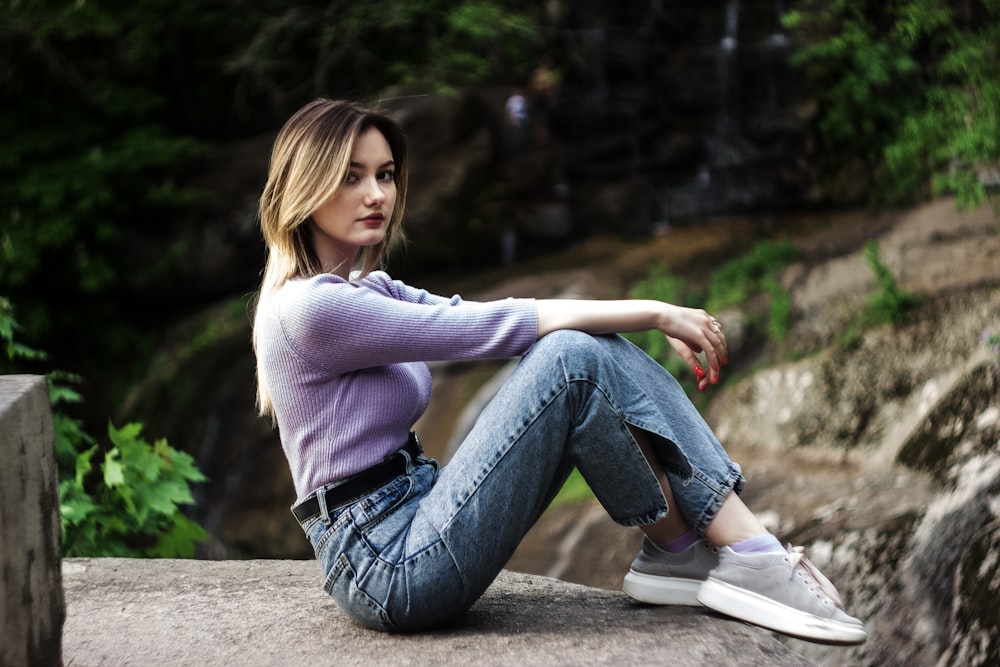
(31, 596)
(273, 612)
(879, 451)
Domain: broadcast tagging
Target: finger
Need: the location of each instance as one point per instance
(717, 336)
(687, 353)
(713, 356)
(721, 348)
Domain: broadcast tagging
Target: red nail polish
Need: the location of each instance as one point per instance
(699, 371)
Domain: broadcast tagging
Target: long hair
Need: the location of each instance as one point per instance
(309, 164)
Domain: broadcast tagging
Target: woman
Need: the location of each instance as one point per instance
(406, 544)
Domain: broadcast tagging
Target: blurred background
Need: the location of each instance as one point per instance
(547, 137)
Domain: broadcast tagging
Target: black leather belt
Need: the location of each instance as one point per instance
(361, 484)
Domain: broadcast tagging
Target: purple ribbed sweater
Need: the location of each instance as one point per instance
(344, 364)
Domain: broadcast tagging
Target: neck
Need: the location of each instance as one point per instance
(338, 264)
(341, 269)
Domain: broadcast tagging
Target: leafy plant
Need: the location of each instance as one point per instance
(780, 309)
(911, 87)
(738, 280)
(129, 504)
(865, 84)
(360, 48)
(472, 42)
(118, 500)
(889, 303)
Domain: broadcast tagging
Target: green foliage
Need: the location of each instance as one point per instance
(89, 165)
(912, 87)
(737, 281)
(8, 332)
(870, 83)
(129, 504)
(363, 47)
(119, 500)
(889, 303)
(780, 302)
(478, 41)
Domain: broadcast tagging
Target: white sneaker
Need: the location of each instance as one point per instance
(662, 577)
(781, 591)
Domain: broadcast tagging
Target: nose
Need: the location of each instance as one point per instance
(374, 195)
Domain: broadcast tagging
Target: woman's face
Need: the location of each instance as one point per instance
(359, 214)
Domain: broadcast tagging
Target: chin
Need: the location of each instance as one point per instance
(376, 235)
(373, 240)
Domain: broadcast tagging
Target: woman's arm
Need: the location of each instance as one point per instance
(689, 330)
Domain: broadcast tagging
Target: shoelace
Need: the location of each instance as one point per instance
(797, 558)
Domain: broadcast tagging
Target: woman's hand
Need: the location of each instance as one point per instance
(690, 331)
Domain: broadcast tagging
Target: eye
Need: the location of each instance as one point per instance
(387, 176)
(352, 178)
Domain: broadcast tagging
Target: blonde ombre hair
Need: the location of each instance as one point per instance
(310, 162)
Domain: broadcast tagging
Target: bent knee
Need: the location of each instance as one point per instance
(569, 339)
(573, 352)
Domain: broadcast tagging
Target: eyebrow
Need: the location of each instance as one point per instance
(388, 163)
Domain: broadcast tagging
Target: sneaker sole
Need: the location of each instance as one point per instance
(773, 615)
(655, 589)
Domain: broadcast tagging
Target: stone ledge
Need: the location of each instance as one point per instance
(31, 595)
(273, 612)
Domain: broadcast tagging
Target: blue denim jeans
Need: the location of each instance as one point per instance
(420, 550)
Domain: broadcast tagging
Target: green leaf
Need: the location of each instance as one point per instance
(83, 465)
(113, 472)
(74, 504)
(59, 394)
(125, 434)
(180, 539)
(148, 466)
(182, 463)
(164, 498)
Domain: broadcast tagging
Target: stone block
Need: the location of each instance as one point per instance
(33, 608)
(273, 613)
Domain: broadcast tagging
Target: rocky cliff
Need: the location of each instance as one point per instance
(882, 452)
(877, 449)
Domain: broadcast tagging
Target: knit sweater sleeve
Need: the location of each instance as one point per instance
(339, 327)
